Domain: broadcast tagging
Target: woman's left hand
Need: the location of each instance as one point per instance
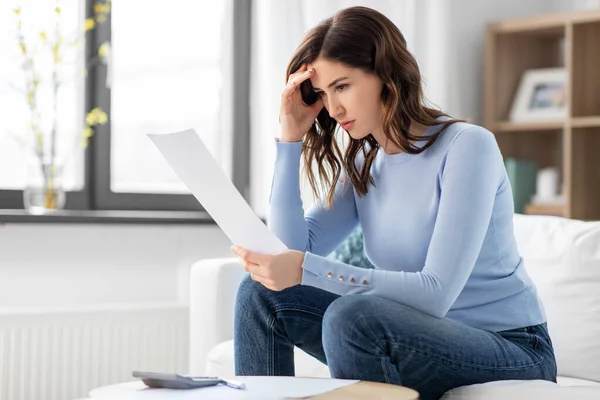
(275, 271)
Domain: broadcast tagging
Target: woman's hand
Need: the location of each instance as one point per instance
(296, 116)
(275, 271)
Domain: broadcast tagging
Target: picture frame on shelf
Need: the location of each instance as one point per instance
(541, 96)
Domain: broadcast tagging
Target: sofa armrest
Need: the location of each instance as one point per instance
(213, 288)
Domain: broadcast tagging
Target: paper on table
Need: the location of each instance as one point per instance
(291, 387)
(196, 167)
(257, 388)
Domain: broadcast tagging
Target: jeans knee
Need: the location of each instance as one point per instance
(250, 295)
(247, 287)
(342, 318)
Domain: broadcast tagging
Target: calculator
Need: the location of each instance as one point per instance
(175, 381)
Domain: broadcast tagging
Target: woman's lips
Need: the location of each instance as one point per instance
(348, 125)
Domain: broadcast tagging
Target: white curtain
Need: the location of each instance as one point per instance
(225, 136)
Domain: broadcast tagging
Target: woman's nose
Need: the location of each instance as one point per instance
(335, 109)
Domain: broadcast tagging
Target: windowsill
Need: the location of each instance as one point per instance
(108, 217)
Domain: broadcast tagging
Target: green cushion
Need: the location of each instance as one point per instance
(351, 251)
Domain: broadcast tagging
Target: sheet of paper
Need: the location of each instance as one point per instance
(257, 388)
(196, 167)
(290, 387)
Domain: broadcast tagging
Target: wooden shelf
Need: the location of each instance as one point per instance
(506, 126)
(576, 122)
(545, 209)
(585, 122)
(564, 40)
(544, 24)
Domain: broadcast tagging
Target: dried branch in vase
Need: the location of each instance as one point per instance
(54, 41)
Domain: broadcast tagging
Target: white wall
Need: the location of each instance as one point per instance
(95, 302)
(79, 266)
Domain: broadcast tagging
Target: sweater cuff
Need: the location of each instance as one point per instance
(334, 276)
(288, 149)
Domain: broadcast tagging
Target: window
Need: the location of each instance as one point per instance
(16, 141)
(166, 77)
(171, 67)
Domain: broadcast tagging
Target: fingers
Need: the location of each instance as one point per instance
(289, 90)
(247, 255)
(255, 263)
(303, 68)
(252, 268)
(300, 77)
(255, 275)
(295, 81)
(258, 273)
(269, 284)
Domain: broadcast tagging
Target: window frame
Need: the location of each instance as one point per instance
(96, 194)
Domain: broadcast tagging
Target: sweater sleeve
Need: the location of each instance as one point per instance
(320, 230)
(469, 179)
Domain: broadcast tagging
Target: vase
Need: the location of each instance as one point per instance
(44, 192)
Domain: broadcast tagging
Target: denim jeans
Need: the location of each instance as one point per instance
(374, 339)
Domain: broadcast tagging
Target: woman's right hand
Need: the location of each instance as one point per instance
(296, 116)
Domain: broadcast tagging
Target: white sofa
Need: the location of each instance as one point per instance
(563, 258)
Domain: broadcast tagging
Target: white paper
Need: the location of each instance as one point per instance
(194, 164)
(257, 388)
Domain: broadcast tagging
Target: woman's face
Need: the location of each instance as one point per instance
(352, 97)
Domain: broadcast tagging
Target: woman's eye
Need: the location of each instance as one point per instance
(338, 88)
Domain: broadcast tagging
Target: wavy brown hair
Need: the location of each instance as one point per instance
(363, 38)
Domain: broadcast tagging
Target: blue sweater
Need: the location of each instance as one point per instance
(438, 227)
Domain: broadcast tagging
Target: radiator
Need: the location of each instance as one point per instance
(62, 355)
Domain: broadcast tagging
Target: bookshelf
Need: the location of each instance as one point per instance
(568, 40)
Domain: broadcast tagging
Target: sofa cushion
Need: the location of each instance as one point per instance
(530, 390)
(562, 256)
(567, 381)
(351, 251)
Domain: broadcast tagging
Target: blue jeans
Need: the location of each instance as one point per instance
(374, 339)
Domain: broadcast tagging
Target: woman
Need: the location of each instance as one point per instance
(449, 302)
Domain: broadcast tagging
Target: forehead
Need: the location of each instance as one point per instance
(326, 71)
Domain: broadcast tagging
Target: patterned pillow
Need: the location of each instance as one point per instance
(351, 251)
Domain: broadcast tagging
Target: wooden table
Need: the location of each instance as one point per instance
(371, 391)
